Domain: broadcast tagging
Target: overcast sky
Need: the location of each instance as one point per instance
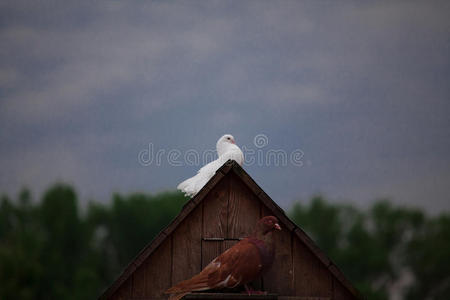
(361, 88)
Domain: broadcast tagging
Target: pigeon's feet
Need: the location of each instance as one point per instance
(249, 291)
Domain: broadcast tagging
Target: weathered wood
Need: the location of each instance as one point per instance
(126, 275)
(280, 278)
(308, 242)
(225, 296)
(209, 186)
(140, 258)
(139, 280)
(124, 292)
(342, 288)
(229, 243)
(243, 209)
(210, 250)
(276, 210)
(215, 212)
(246, 179)
(186, 247)
(340, 292)
(311, 277)
(152, 278)
(158, 271)
(226, 209)
(302, 298)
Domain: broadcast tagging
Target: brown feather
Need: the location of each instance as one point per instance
(178, 296)
(242, 263)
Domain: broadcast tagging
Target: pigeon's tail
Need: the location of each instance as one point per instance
(196, 283)
(178, 296)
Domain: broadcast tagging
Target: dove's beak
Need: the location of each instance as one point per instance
(277, 226)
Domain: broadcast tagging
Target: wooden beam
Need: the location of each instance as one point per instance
(224, 296)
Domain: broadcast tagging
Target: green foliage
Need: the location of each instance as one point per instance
(51, 249)
(378, 248)
(122, 229)
(428, 258)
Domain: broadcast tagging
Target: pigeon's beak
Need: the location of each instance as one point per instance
(277, 226)
(233, 142)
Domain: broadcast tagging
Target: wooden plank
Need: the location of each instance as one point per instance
(210, 250)
(243, 209)
(124, 292)
(309, 243)
(117, 284)
(229, 243)
(227, 166)
(303, 298)
(149, 248)
(207, 188)
(340, 292)
(157, 271)
(341, 286)
(257, 284)
(215, 206)
(139, 281)
(152, 278)
(280, 278)
(256, 189)
(311, 277)
(225, 296)
(249, 182)
(276, 211)
(186, 247)
(222, 217)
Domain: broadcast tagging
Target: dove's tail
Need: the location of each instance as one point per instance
(188, 186)
(193, 185)
(185, 184)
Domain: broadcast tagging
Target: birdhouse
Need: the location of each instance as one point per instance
(224, 211)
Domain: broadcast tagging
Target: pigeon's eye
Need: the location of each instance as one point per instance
(228, 138)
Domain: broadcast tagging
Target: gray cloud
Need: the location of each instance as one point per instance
(361, 88)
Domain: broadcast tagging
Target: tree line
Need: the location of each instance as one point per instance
(50, 248)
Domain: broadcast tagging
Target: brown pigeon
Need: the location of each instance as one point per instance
(242, 263)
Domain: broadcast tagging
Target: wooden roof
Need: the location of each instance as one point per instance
(227, 168)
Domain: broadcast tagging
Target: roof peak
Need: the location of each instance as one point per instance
(228, 168)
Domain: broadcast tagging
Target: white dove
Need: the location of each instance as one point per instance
(226, 149)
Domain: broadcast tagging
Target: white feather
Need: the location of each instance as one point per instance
(226, 149)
